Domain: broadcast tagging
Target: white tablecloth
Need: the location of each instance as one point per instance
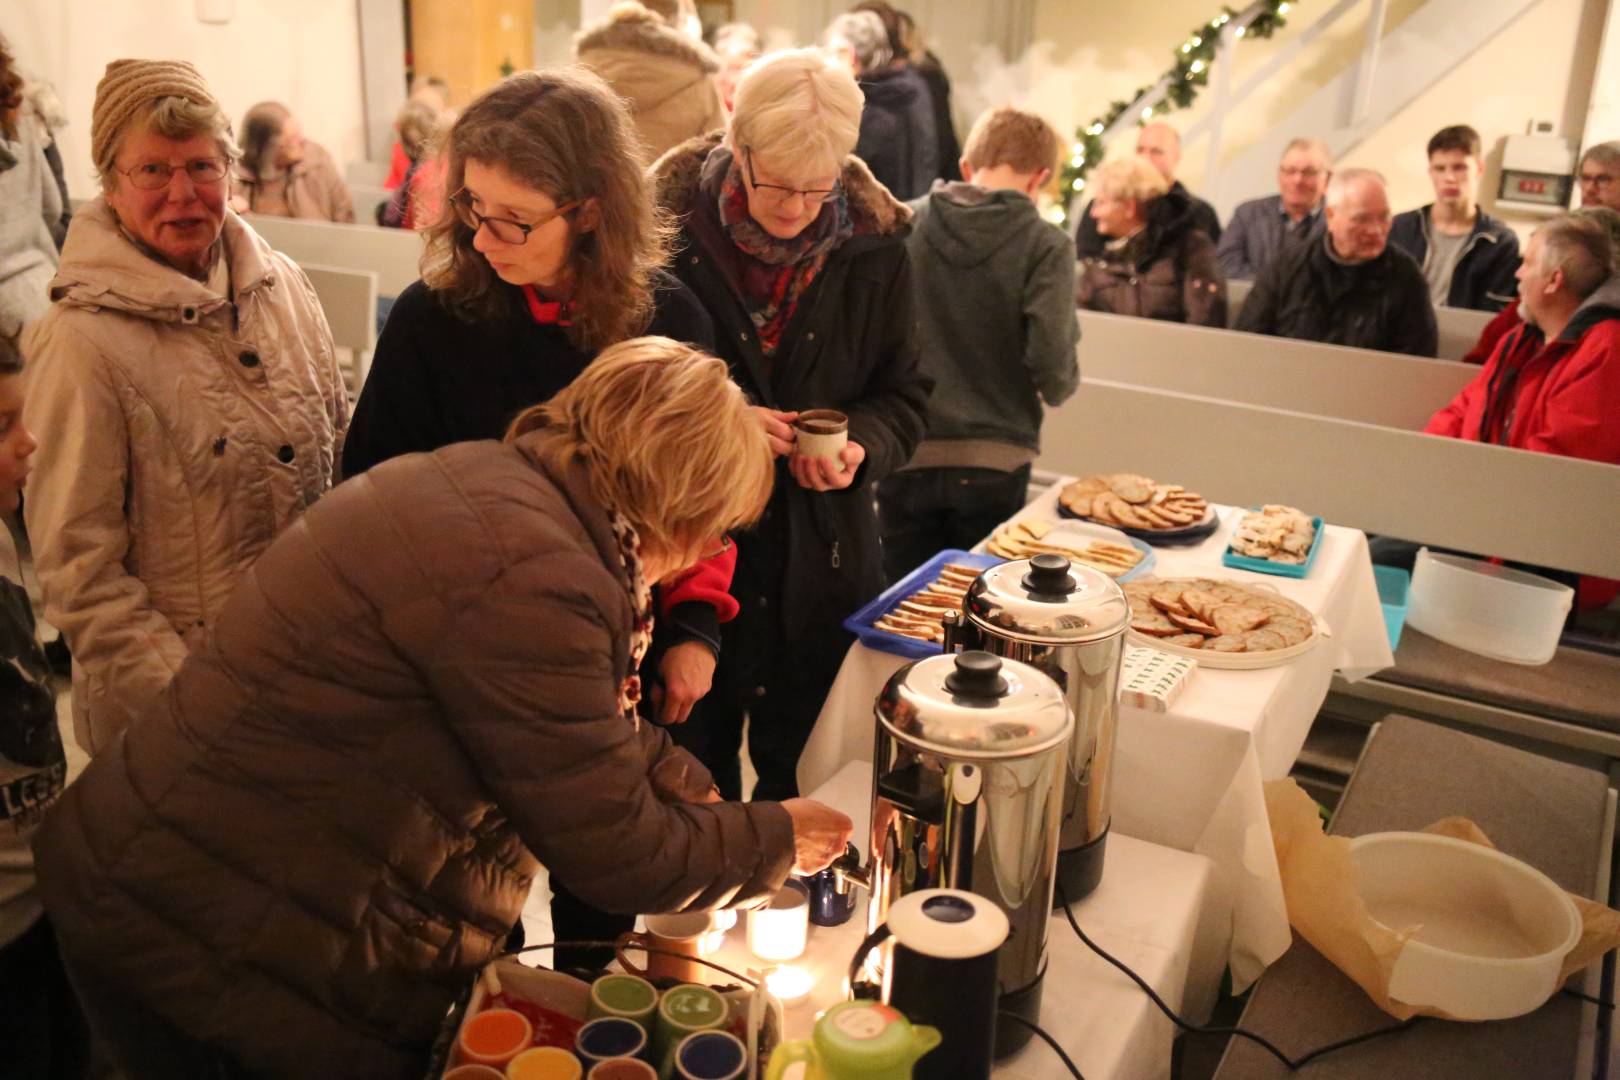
(1190, 779)
(1151, 912)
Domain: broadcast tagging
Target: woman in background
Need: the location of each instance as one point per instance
(286, 175)
(1156, 262)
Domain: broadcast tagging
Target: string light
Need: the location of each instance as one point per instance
(1176, 89)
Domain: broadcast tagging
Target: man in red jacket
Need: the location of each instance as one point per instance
(1553, 383)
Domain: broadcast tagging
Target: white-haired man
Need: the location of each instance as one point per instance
(1160, 145)
(1349, 286)
(1553, 383)
(1260, 227)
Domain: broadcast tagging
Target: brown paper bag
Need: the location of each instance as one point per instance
(1322, 890)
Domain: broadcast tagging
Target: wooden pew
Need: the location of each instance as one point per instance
(349, 300)
(392, 254)
(1535, 508)
(1388, 389)
(1459, 327)
(368, 200)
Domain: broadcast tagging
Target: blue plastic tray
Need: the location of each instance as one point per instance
(1393, 584)
(1281, 569)
(860, 623)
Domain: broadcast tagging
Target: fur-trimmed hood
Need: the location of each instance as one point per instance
(629, 27)
(872, 210)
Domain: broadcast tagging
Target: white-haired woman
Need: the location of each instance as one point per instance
(798, 254)
(186, 379)
(898, 141)
(1155, 262)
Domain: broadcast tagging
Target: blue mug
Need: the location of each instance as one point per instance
(609, 1037)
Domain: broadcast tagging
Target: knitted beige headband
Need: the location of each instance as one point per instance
(131, 85)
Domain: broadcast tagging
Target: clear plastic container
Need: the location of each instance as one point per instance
(1488, 609)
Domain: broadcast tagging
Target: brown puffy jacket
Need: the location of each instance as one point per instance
(1166, 271)
(332, 818)
(666, 77)
(182, 426)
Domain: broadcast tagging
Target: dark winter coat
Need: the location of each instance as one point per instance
(1088, 241)
(898, 140)
(331, 820)
(1306, 293)
(939, 90)
(851, 346)
(1484, 277)
(1166, 271)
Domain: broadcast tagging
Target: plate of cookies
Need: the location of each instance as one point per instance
(1140, 506)
(1221, 623)
(1102, 548)
(907, 618)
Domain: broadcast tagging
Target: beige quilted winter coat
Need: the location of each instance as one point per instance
(330, 821)
(180, 429)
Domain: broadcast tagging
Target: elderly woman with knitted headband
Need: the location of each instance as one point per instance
(186, 378)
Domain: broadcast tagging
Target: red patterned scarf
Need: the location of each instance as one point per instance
(776, 273)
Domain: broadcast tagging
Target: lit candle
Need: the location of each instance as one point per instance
(778, 930)
(789, 983)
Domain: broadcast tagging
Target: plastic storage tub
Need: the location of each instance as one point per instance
(1488, 609)
(1394, 587)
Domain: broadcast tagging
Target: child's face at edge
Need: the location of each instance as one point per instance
(17, 445)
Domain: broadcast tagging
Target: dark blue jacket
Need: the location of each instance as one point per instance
(1483, 279)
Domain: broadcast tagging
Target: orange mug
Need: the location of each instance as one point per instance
(681, 935)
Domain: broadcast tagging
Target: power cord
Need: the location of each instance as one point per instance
(1074, 1070)
(1291, 1063)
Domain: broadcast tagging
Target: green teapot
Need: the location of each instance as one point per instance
(857, 1040)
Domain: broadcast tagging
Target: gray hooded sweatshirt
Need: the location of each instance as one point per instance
(994, 286)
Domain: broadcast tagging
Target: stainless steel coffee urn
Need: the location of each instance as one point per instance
(1069, 622)
(967, 784)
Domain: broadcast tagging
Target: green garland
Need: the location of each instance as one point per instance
(1182, 81)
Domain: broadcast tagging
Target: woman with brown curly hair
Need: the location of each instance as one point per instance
(547, 252)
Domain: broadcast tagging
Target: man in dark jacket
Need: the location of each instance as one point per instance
(993, 360)
(1160, 144)
(1468, 257)
(1260, 227)
(1345, 285)
(898, 141)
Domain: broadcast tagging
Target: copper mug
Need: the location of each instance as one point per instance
(672, 943)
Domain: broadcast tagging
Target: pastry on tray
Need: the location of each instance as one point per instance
(919, 615)
(1217, 616)
(1277, 533)
(1024, 539)
(1127, 500)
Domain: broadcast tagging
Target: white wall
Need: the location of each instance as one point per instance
(305, 53)
(1603, 117)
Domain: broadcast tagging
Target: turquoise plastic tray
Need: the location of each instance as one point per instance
(1393, 583)
(1281, 569)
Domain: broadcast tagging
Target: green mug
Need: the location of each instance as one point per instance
(628, 996)
(857, 1040)
(684, 1010)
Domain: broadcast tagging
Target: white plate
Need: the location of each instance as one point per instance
(1238, 661)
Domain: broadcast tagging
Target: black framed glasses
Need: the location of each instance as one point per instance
(505, 230)
(813, 196)
(155, 175)
(1598, 180)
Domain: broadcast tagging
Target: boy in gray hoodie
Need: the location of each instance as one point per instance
(994, 290)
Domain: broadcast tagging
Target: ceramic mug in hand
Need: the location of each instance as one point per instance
(822, 433)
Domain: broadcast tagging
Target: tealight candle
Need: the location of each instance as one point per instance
(778, 930)
(789, 983)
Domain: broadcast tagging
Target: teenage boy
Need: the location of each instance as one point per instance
(1468, 257)
(41, 1028)
(994, 290)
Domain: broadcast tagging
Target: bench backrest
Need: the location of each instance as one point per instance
(1389, 389)
(393, 254)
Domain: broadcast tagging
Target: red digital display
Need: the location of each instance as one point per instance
(1532, 187)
